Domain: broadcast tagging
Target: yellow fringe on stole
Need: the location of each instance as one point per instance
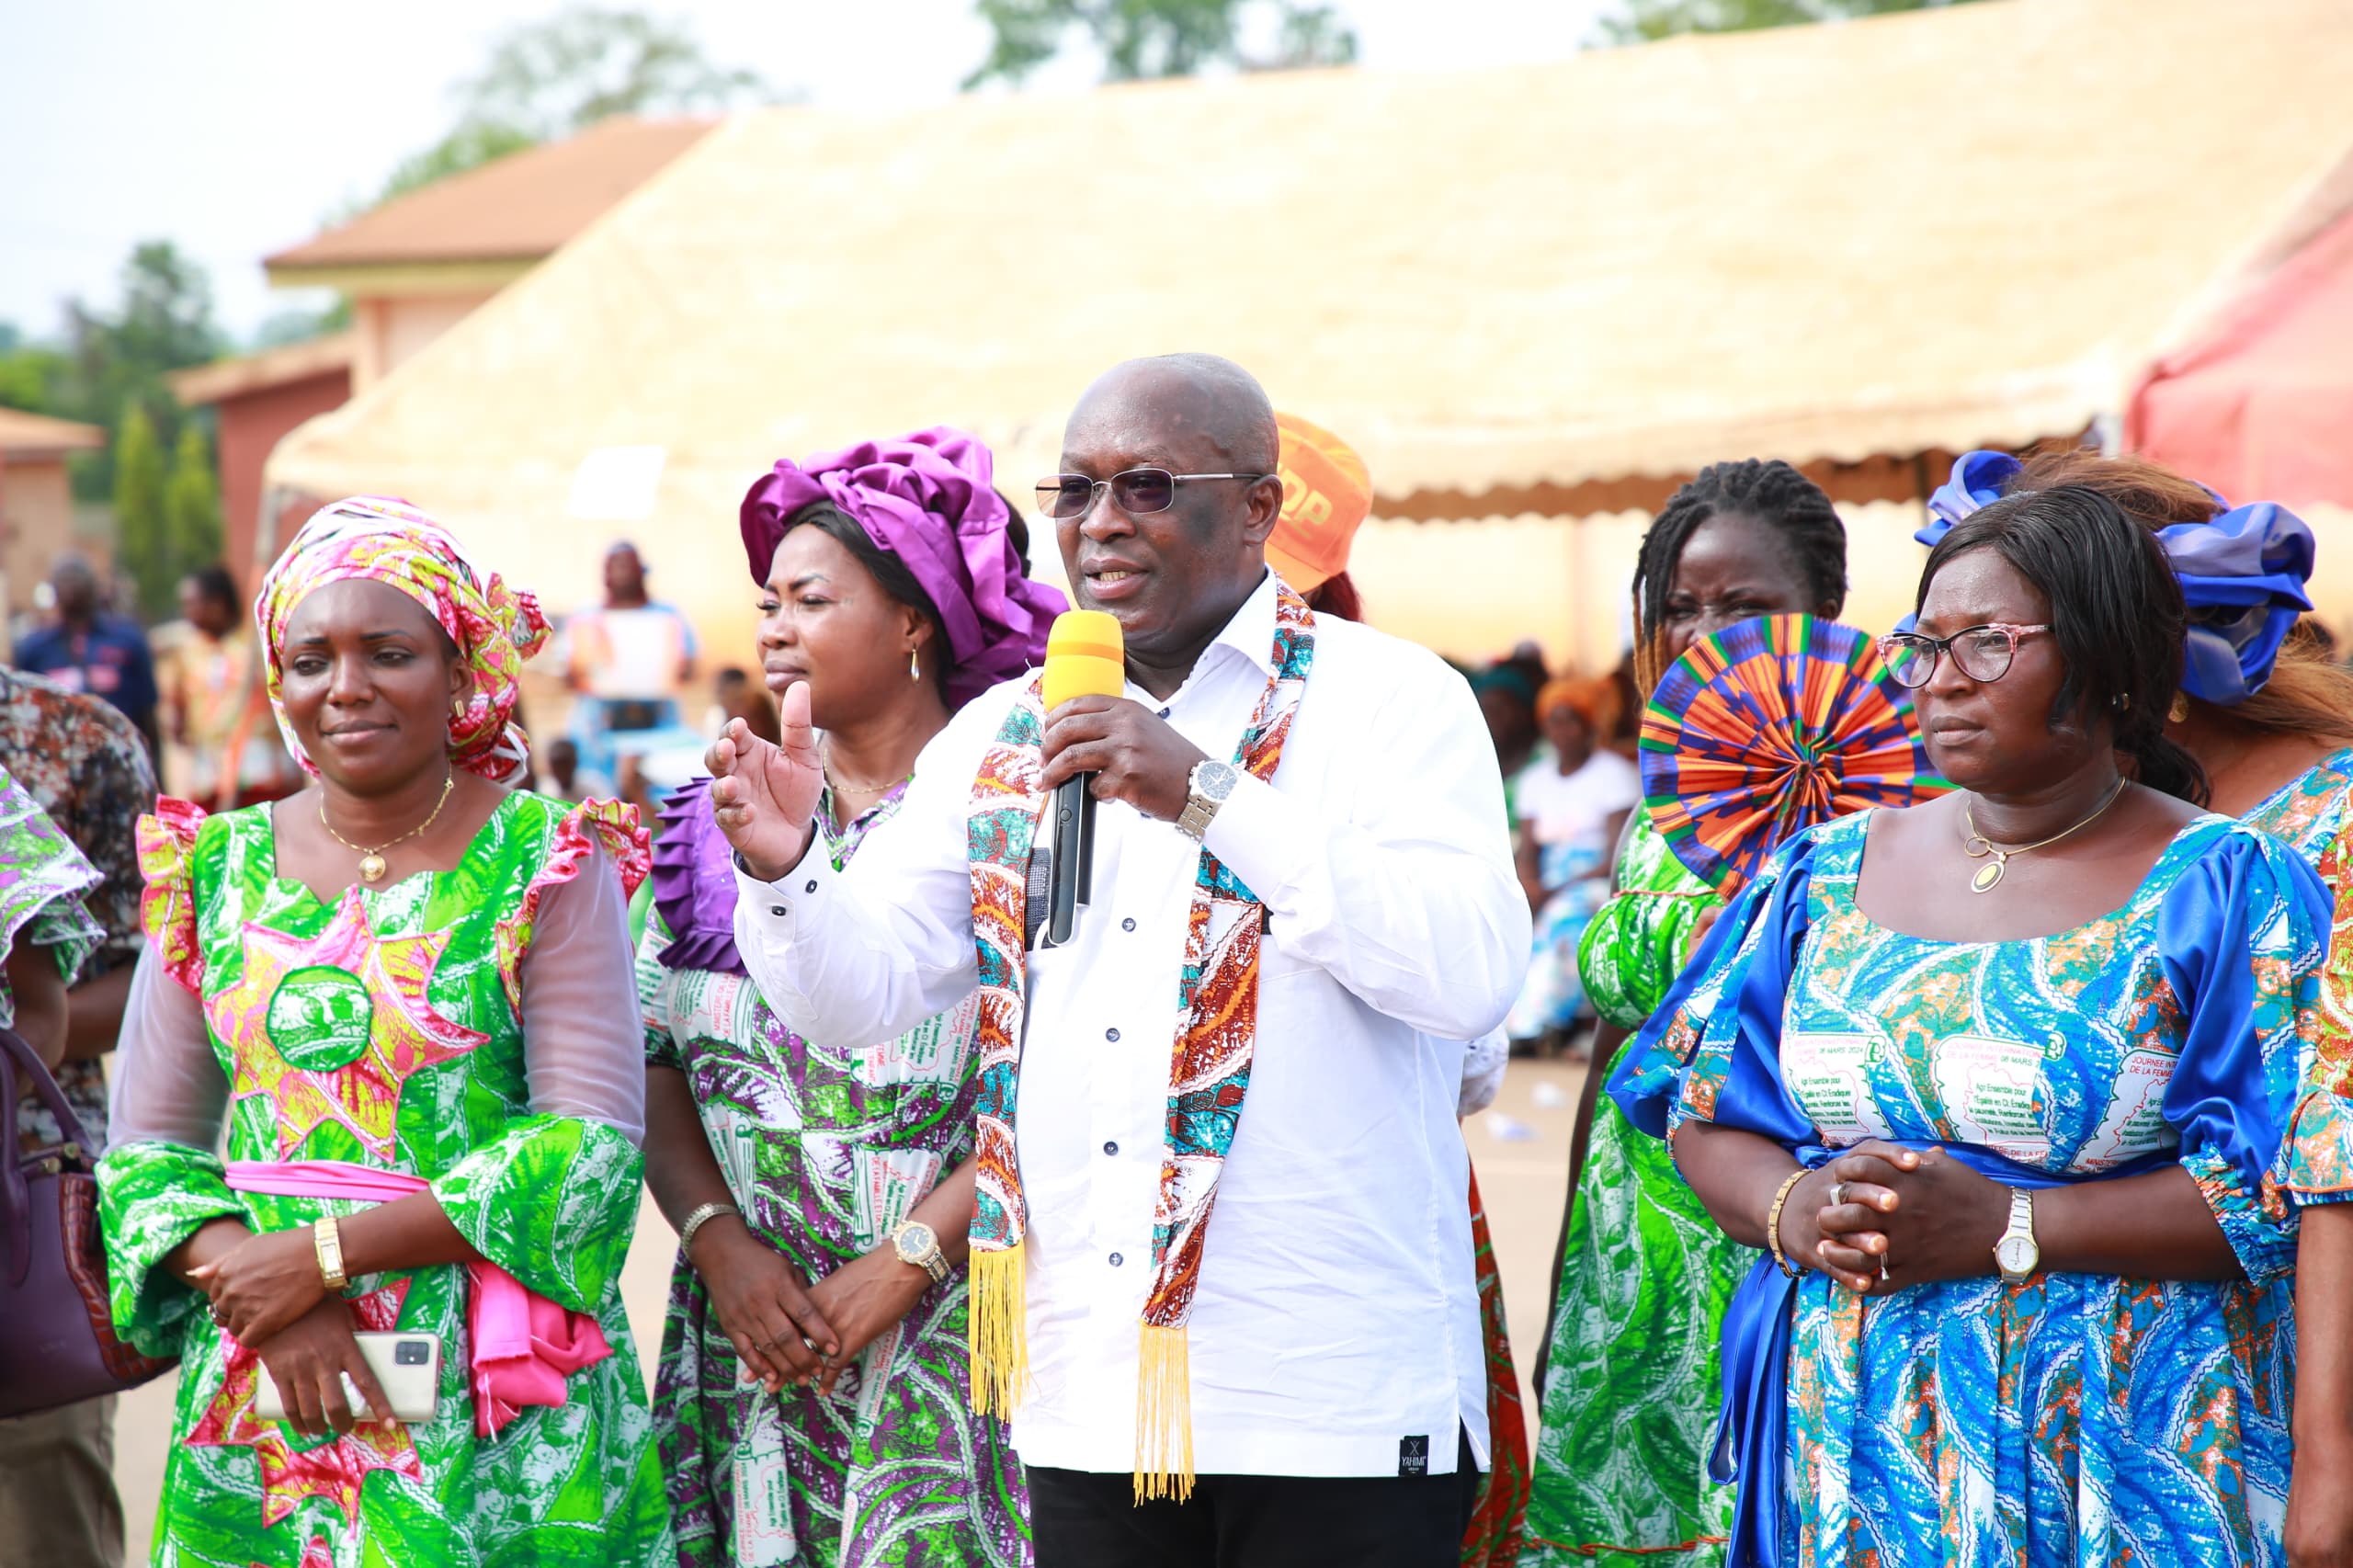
(997, 1330)
(1164, 1415)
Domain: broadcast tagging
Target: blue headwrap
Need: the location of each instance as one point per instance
(2242, 574)
(1978, 480)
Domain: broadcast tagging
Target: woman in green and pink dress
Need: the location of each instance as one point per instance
(813, 1401)
(404, 995)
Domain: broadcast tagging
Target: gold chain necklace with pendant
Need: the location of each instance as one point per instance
(1977, 846)
(371, 861)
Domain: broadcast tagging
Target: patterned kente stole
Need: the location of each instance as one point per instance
(1216, 1029)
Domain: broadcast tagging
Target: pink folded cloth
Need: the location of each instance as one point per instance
(523, 1345)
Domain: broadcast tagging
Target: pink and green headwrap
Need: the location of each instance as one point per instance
(494, 627)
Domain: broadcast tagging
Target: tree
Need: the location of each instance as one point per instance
(116, 362)
(191, 508)
(1646, 21)
(548, 80)
(1158, 37)
(140, 532)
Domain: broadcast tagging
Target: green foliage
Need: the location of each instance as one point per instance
(116, 362)
(551, 79)
(469, 146)
(283, 327)
(140, 530)
(31, 375)
(191, 508)
(548, 80)
(1156, 38)
(1646, 21)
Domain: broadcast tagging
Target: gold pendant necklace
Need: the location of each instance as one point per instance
(1977, 846)
(371, 861)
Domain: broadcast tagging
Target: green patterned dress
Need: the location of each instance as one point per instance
(1631, 1379)
(410, 1028)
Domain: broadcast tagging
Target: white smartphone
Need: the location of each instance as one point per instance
(407, 1368)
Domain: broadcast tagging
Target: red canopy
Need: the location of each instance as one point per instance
(2260, 405)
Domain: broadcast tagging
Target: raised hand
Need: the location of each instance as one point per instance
(765, 797)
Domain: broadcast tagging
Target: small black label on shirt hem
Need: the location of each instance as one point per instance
(1414, 1456)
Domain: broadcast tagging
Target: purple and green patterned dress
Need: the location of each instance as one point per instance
(42, 879)
(409, 1029)
(825, 1151)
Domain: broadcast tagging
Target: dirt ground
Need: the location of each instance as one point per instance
(1523, 1179)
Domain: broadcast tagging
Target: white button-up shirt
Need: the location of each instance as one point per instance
(1336, 1322)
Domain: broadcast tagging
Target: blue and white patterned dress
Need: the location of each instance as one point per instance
(2073, 1420)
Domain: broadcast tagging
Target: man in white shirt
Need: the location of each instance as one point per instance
(1332, 1374)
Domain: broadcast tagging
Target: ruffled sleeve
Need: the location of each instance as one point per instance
(553, 1199)
(2241, 935)
(2317, 1162)
(1712, 1049)
(167, 906)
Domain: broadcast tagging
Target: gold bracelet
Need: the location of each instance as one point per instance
(1773, 1225)
(326, 1237)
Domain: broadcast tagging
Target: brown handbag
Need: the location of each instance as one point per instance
(57, 1340)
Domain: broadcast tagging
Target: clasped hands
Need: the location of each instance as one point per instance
(764, 795)
(265, 1293)
(785, 1330)
(1906, 1217)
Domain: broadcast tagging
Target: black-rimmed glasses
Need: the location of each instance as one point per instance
(1981, 652)
(1136, 492)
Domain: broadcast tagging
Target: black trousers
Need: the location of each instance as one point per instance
(1090, 1519)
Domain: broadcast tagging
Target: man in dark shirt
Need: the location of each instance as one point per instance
(85, 764)
(93, 650)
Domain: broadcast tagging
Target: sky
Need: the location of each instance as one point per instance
(235, 128)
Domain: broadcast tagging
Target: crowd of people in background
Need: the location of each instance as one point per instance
(1961, 1190)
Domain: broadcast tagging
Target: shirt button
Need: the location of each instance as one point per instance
(1115, 1260)
(1112, 1148)
(1129, 924)
(812, 887)
(1164, 712)
(1111, 1035)
(776, 909)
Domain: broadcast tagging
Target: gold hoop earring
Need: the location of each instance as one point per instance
(2180, 708)
(914, 666)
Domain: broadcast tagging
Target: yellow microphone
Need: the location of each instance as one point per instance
(1085, 657)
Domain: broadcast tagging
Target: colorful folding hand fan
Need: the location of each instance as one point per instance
(1770, 726)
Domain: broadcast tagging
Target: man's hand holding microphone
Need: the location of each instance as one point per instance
(765, 795)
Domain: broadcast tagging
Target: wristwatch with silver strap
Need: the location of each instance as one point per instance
(1206, 789)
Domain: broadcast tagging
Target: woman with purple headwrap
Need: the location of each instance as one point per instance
(813, 1404)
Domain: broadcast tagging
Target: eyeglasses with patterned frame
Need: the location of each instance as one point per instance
(1982, 653)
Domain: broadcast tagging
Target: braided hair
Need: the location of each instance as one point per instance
(1768, 490)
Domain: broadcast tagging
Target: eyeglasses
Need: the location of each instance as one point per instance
(1981, 652)
(1137, 492)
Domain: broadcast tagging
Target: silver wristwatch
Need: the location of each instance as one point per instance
(1206, 790)
(918, 1247)
(2015, 1254)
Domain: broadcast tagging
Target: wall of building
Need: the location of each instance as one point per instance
(251, 425)
(393, 329)
(36, 524)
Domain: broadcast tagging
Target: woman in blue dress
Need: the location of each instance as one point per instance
(1997, 1081)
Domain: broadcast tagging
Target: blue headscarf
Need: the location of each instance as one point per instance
(2243, 575)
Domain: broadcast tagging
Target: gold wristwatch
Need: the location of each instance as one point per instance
(918, 1247)
(327, 1238)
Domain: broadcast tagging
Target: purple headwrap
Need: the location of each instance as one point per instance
(928, 499)
(2242, 574)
